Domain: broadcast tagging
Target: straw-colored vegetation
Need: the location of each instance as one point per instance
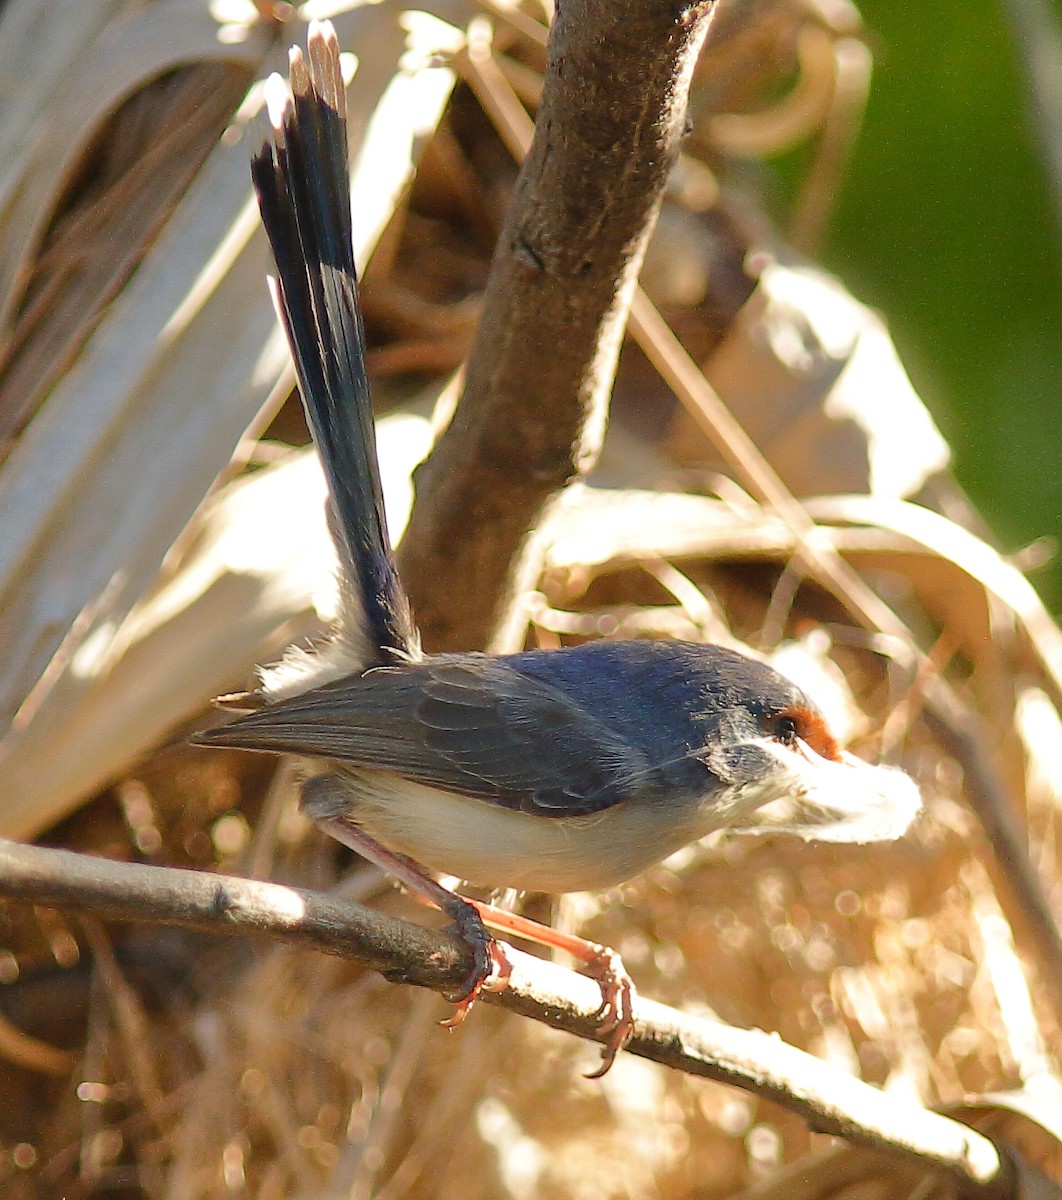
(161, 534)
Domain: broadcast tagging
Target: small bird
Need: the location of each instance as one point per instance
(553, 771)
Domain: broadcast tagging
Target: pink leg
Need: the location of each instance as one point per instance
(326, 802)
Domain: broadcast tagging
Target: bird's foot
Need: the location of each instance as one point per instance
(600, 963)
(491, 966)
(617, 1003)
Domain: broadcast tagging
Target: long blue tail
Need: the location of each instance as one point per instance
(302, 180)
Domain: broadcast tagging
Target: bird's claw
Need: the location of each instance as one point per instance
(491, 967)
(617, 1005)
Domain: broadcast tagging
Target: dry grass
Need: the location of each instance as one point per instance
(163, 1064)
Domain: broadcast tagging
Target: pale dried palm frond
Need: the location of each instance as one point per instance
(125, 445)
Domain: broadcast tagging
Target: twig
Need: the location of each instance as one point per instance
(226, 904)
(821, 186)
(829, 1100)
(360, 1178)
(131, 1024)
(31, 1053)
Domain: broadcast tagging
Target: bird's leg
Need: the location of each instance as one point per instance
(326, 802)
(602, 964)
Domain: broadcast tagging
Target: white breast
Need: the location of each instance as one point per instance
(494, 846)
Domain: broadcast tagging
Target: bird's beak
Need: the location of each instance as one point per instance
(834, 800)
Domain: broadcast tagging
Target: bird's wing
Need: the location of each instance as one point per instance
(470, 725)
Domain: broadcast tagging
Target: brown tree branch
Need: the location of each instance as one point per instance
(534, 406)
(828, 1099)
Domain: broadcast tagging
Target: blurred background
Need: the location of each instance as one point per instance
(161, 533)
(946, 223)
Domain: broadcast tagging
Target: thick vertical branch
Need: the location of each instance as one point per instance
(535, 403)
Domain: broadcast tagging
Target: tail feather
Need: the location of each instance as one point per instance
(301, 177)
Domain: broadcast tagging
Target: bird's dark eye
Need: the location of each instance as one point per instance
(805, 725)
(785, 729)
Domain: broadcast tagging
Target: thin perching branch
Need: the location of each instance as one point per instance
(829, 1100)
